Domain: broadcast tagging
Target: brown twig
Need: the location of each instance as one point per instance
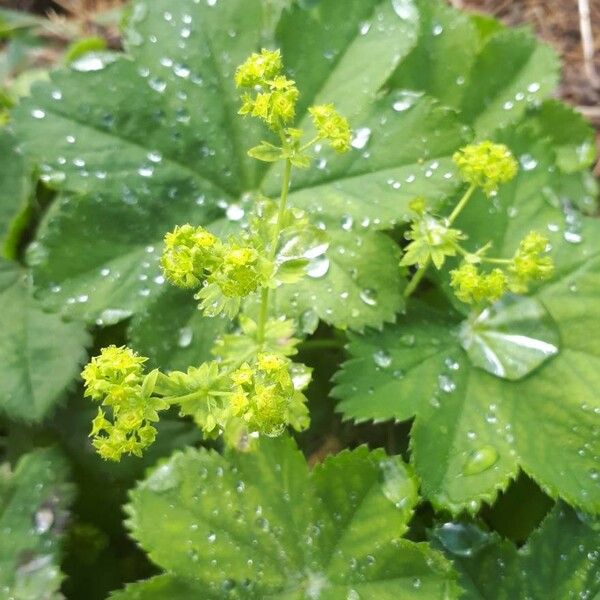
(587, 42)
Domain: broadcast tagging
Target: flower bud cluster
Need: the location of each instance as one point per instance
(116, 379)
(273, 96)
(331, 126)
(486, 165)
(529, 263)
(264, 395)
(472, 287)
(227, 271)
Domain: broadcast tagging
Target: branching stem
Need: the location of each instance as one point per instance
(420, 273)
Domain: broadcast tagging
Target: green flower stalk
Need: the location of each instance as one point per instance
(252, 387)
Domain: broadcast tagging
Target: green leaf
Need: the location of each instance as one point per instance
(473, 429)
(13, 193)
(580, 190)
(496, 97)
(264, 519)
(160, 588)
(166, 145)
(266, 152)
(456, 60)
(40, 354)
(351, 285)
(373, 185)
(173, 333)
(560, 560)
(34, 501)
(573, 138)
(442, 59)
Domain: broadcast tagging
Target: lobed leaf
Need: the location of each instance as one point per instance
(263, 519)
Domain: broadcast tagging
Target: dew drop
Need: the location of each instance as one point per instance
(318, 267)
(405, 9)
(368, 296)
(361, 138)
(382, 358)
(481, 460)
(462, 539)
(234, 212)
(43, 520)
(91, 62)
(186, 335)
(528, 162)
(446, 384)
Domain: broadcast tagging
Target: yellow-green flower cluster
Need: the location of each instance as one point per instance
(486, 165)
(273, 96)
(331, 126)
(264, 395)
(116, 379)
(472, 286)
(530, 263)
(228, 271)
(189, 252)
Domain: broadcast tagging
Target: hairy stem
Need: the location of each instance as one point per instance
(264, 298)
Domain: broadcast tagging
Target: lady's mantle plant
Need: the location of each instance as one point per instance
(252, 387)
(486, 335)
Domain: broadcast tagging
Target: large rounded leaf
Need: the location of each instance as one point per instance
(261, 522)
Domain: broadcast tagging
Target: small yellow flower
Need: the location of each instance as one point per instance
(530, 262)
(239, 402)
